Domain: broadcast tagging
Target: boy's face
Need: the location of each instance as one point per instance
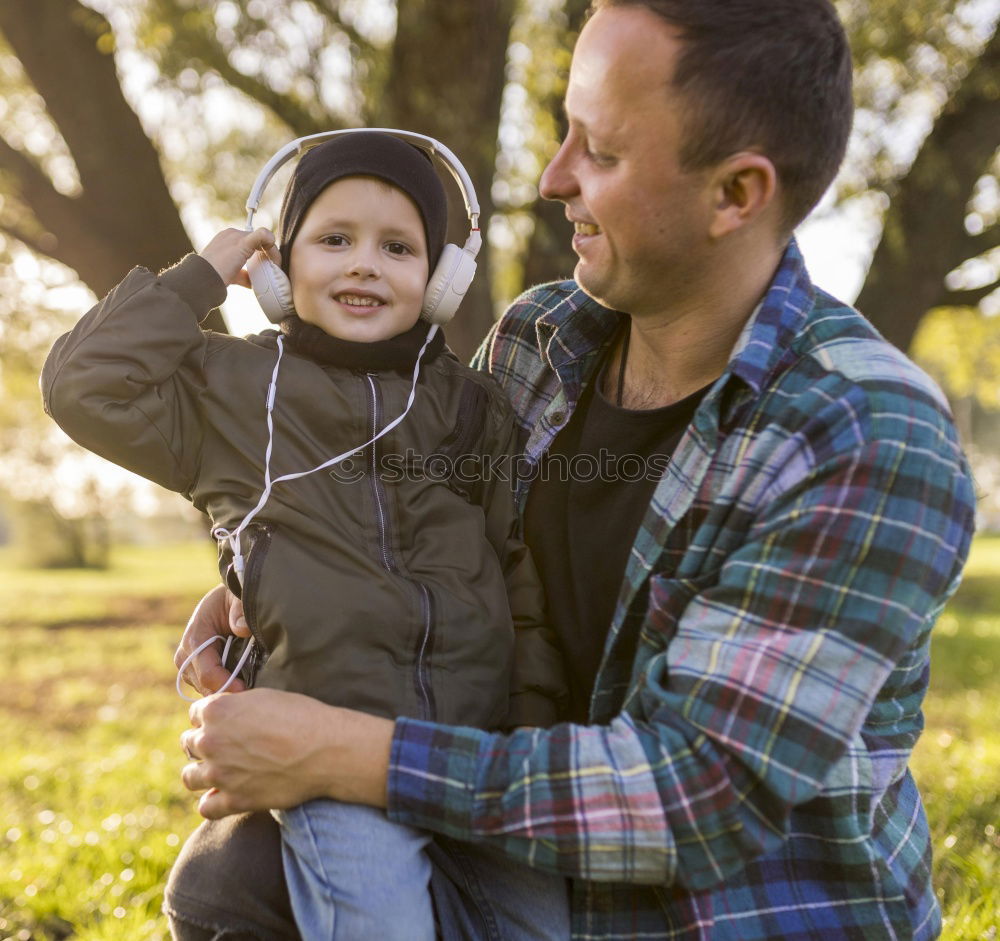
(358, 265)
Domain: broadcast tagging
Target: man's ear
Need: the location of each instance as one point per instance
(746, 186)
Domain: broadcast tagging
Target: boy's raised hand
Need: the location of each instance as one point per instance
(230, 250)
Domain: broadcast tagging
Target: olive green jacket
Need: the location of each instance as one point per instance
(387, 584)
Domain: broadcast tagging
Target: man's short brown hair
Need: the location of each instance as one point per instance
(771, 76)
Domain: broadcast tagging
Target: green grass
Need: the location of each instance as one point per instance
(957, 761)
(143, 584)
(92, 806)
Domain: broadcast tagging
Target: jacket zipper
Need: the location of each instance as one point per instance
(421, 670)
(422, 674)
(260, 543)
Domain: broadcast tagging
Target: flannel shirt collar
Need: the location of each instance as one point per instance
(572, 334)
(767, 337)
(574, 330)
(567, 331)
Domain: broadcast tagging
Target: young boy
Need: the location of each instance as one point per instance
(383, 585)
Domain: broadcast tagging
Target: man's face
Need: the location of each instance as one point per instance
(641, 222)
(358, 265)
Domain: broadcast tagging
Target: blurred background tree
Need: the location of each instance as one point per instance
(927, 86)
(93, 179)
(87, 184)
(131, 130)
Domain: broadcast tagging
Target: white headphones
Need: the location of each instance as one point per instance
(455, 268)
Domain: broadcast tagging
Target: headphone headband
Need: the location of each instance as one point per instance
(434, 147)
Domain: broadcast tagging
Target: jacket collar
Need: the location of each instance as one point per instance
(396, 353)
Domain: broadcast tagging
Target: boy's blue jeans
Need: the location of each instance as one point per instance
(352, 873)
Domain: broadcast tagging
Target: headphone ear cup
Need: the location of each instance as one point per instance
(447, 286)
(272, 287)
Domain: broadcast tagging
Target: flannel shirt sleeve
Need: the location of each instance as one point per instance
(751, 701)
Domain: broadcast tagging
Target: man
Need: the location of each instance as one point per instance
(749, 639)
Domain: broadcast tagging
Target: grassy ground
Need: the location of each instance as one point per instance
(957, 761)
(90, 795)
(93, 811)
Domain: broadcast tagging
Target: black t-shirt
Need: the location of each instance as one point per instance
(583, 512)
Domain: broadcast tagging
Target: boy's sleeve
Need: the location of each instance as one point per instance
(124, 381)
(539, 691)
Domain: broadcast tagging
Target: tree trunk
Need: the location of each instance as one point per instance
(550, 254)
(445, 80)
(123, 214)
(924, 237)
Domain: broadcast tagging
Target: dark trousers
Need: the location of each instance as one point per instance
(228, 884)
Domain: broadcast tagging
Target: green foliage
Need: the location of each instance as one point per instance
(90, 792)
(27, 126)
(45, 539)
(960, 348)
(313, 64)
(909, 56)
(31, 317)
(56, 497)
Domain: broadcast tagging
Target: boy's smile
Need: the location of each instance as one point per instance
(358, 264)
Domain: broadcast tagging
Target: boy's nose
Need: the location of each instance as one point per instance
(363, 266)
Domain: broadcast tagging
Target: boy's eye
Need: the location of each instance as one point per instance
(398, 248)
(335, 240)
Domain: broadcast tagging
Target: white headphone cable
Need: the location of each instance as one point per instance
(221, 533)
(225, 653)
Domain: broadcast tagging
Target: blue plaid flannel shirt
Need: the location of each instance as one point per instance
(744, 773)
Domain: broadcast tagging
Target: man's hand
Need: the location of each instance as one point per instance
(231, 249)
(268, 749)
(218, 613)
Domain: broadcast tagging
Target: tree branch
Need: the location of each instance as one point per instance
(124, 213)
(29, 241)
(34, 182)
(333, 17)
(193, 43)
(53, 211)
(284, 107)
(985, 241)
(924, 233)
(66, 50)
(365, 50)
(971, 297)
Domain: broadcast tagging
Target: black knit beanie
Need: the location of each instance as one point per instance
(366, 153)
